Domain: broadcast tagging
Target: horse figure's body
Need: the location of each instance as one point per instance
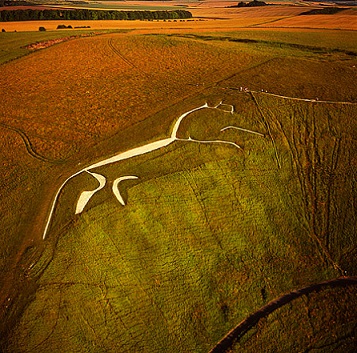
(137, 151)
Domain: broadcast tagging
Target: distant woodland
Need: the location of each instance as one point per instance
(14, 3)
(85, 14)
(253, 3)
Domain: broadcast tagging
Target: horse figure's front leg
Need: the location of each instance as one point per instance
(87, 195)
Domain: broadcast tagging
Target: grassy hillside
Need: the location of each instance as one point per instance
(210, 233)
(13, 45)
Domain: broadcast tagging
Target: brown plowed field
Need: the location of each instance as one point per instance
(66, 85)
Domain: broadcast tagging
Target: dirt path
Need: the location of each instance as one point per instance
(246, 90)
(119, 54)
(233, 336)
(265, 122)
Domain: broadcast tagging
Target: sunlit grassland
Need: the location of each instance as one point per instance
(210, 233)
(344, 20)
(337, 39)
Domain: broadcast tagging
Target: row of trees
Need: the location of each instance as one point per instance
(84, 14)
(253, 3)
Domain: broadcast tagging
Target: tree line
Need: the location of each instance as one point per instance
(253, 3)
(15, 3)
(85, 14)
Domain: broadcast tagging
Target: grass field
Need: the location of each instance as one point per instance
(210, 233)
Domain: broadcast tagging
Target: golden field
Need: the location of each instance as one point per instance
(214, 16)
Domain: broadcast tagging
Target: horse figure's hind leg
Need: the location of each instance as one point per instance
(115, 188)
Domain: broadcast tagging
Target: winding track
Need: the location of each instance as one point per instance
(233, 336)
(29, 147)
(267, 126)
(119, 54)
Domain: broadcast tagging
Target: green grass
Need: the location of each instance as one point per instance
(205, 230)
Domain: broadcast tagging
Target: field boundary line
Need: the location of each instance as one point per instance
(233, 336)
(300, 27)
(316, 50)
(257, 25)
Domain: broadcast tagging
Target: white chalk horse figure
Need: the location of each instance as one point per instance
(85, 196)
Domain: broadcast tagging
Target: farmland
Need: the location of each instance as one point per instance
(210, 233)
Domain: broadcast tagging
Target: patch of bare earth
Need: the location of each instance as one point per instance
(49, 43)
